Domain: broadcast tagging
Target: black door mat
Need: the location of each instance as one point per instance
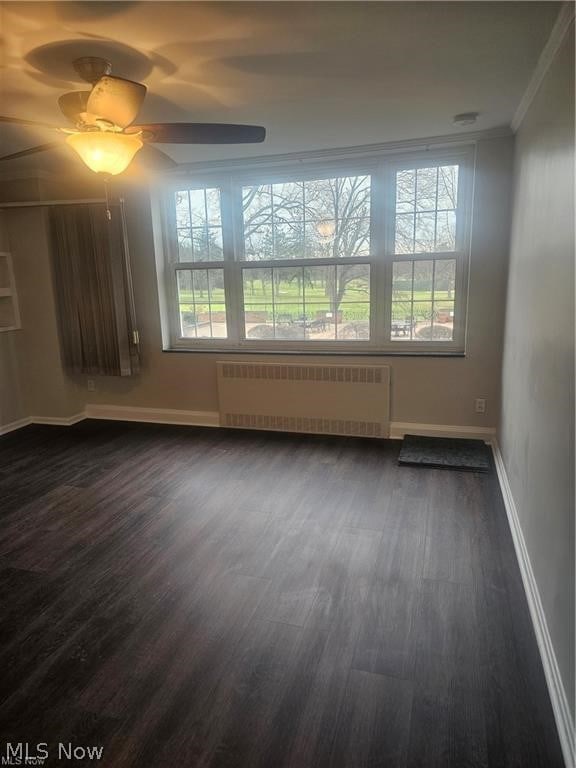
(445, 453)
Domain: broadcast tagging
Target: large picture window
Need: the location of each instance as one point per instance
(369, 258)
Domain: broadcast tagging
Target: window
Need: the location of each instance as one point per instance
(368, 258)
(200, 290)
(199, 225)
(318, 218)
(423, 288)
(303, 222)
(201, 303)
(423, 300)
(324, 303)
(426, 209)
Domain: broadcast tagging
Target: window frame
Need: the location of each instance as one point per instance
(383, 171)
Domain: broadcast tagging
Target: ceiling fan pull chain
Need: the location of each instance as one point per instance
(107, 197)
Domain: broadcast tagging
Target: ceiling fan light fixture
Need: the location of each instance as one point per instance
(326, 229)
(105, 151)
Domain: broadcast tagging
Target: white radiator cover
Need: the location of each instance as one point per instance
(291, 397)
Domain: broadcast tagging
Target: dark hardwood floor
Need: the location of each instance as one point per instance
(195, 597)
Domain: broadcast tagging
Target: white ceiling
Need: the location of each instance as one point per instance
(316, 74)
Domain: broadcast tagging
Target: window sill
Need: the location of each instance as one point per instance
(315, 353)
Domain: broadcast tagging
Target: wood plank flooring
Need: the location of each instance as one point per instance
(195, 597)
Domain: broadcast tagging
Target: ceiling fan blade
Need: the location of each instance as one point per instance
(32, 150)
(116, 100)
(33, 123)
(73, 104)
(200, 133)
(155, 159)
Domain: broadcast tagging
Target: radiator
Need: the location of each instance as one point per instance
(289, 397)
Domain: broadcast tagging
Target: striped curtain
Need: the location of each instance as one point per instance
(93, 289)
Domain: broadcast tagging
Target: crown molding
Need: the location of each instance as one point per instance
(446, 141)
(364, 150)
(557, 35)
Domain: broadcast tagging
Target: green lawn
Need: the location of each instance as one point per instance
(288, 300)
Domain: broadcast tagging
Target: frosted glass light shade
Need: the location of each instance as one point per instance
(105, 151)
(326, 229)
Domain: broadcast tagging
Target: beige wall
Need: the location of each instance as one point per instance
(33, 382)
(537, 431)
(424, 390)
(12, 406)
(428, 390)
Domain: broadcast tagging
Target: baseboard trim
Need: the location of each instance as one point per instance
(153, 415)
(58, 421)
(400, 428)
(13, 425)
(556, 690)
(212, 419)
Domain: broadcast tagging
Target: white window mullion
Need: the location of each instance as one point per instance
(460, 299)
(170, 242)
(233, 299)
(377, 312)
(463, 246)
(173, 303)
(387, 212)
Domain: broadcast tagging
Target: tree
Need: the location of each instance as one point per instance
(426, 201)
(327, 218)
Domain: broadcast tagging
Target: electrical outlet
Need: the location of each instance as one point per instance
(480, 405)
(91, 385)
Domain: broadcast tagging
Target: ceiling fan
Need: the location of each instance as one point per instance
(104, 133)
